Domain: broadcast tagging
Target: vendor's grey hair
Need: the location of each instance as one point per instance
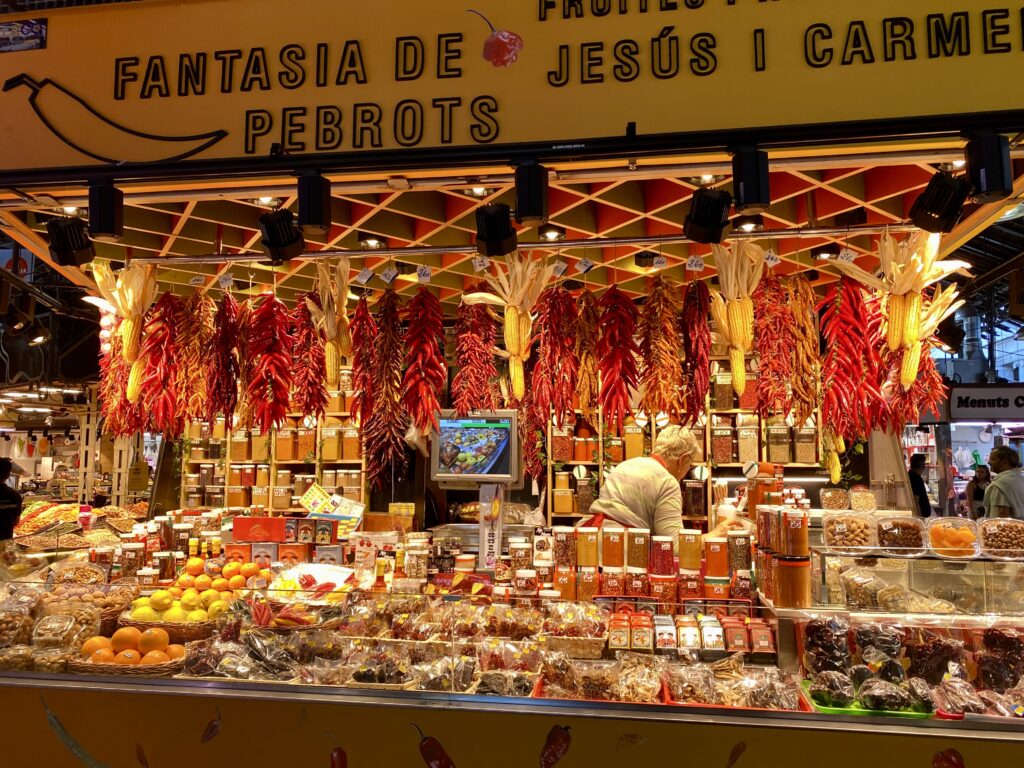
(675, 442)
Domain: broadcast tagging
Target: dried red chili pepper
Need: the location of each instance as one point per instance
(268, 345)
(473, 384)
(120, 417)
(661, 372)
(696, 336)
(432, 752)
(617, 352)
(553, 379)
(364, 338)
(159, 392)
(774, 339)
(585, 347)
(426, 372)
(806, 369)
(384, 430)
(555, 746)
(309, 372)
(195, 334)
(222, 375)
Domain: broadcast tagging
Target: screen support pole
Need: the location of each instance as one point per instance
(492, 498)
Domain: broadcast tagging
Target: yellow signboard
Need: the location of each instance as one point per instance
(222, 79)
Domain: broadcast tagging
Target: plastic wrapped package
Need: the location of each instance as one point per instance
(560, 672)
(862, 587)
(998, 704)
(78, 572)
(921, 697)
(15, 625)
(447, 674)
(763, 689)
(693, 684)
(501, 682)
(57, 631)
(53, 661)
(931, 656)
(324, 672)
(832, 689)
(638, 678)
(893, 598)
(884, 667)
(16, 658)
(958, 697)
(885, 638)
(848, 533)
(996, 671)
(826, 646)
(860, 674)
(495, 653)
(575, 620)
(882, 695)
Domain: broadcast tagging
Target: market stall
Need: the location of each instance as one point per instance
(386, 411)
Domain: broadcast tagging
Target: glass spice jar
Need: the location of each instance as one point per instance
(565, 583)
(637, 582)
(722, 392)
(794, 538)
(742, 587)
(694, 498)
(662, 559)
(525, 581)
(739, 550)
(613, 582)
(561, 445)
(691, 550)
(716, 556)
(587, 546)
(722, 445)
(564, 546)
(792, 582)
(587, 584)
(664, 589)
(690, 587)
(613, 547)
(584, 496)
(521, 554)
(638, 547)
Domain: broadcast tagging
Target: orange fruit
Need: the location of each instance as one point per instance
(128, 657)
(249, 569)
(203, 582)
(176, 591)
(175, 651)
(220, 584)
(102, 656)
(155, 657)
(185, 581)
(124, 639)
(93, 644)
(153, 639)
(236, 582)
(227, 596)
(231, 569)
(266, 575)
(195, 566)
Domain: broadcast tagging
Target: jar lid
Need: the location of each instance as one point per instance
(550, 594)
(794, 562)
(688, 573)
(519, 545)
(716, 540)
(743, 574)
(635, 569)
(526, 573)
(465, 558)
(689, 532)
(662, 577)
(663, 539)
(716, 579)
(147, 572)
(588, 569)
(563, 529)
(132, 545)
(588, 530)
(503, 558)
(501, 591)
(111, 549)
(737, 534)
(638, 531)
(613, 529)
(181, 527)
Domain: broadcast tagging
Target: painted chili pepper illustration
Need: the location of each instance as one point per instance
(501, 47)
(555, 746)
(950, 758)
(212, 729)
(432, 752)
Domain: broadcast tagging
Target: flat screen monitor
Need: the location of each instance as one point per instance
(482, 447)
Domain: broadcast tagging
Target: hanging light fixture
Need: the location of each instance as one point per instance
(989, 168)
(369, 240)
(70, 245)
(551, 232)
(750, 180)
(314, 204)
(495, 235)
(281, 240)
(106, 211)
(531, 194)
(708, 216)
(938, 207)
(748, 223)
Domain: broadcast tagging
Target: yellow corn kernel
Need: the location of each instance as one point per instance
(130, 339)
(332, 362)
(134, 387)
(912, 317)
(511, 330)
(515, 369)
(894, 319)
(739, 372)
(911, 362)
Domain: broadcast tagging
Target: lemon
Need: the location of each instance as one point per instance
(197, 615)
(160, 600)
(191, 600)
(140, 602)
(209, 597)
(216, 609)
(176, 615)
(144, 613)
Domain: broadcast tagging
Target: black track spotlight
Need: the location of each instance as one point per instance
(70, 245)
(405, 268)
(106, 211)
(370, 241)
(825, 252)
(750, 182)
(708, 216)
(551, 232)
(853, 218)
(531, 194)
(950, 335)
(494, 233)
(749, 223)
(645, 259)
(38, 334)
(988, 167)
(938, 207)
(281, 240)
(314, 204)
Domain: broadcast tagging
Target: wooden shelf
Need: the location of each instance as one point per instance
(733, 410)
(341, 461)
(579, 463)
(294, 461)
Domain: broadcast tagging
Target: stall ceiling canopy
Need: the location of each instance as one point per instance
(201, 85)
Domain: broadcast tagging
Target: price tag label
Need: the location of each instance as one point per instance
(226, 281)
(480, 263)
(364, 276)
(695, 264)
(660, 262)
(389, 275)
(559, 268)
(584, 265)
(772, 258)
(847, 255)
(197, 280)
(424, 273)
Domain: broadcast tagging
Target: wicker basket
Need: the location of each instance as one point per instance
(168, 669)
(578, 647)
(178, 633)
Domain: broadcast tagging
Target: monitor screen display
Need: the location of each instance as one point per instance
(476, 448)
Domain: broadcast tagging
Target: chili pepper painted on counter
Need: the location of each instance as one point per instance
(501, 47)
(432, 752)
(212, 729)
(950, 758)
(736, 753)
(140, 756)
(555, 746)
(339, 759)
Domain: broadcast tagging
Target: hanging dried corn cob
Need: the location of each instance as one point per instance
(585, 347)
(330, 316)
(696, 335)
(617, 352)
(661, 372)
(908, 269)
(364, 340)
(426, 372)
(308, 371)
(268, 346)
(806, 351)
(194, 339)
(739, 273)
(158, 385)
(384, 430)
(473, 387)
(222, 375)
(131, 292)
(553, 378)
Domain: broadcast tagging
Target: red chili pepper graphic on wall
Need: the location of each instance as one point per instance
(501, 47)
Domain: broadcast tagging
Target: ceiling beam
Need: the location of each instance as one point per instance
(981, 219)
(20, 232)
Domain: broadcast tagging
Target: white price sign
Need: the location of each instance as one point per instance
(197, 280)
(388, 275)
(364, 276)
(660, 262)
(480, 263)
(559, 268)
(424, 273)
(695, 264)
(772, 259)
(847, 255)
(584, 265)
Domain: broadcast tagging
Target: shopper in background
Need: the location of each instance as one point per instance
(976, 491)
(1005, 496)
(917, 486)
(10, 502)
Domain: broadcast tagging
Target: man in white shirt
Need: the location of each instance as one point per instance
(1004, 496)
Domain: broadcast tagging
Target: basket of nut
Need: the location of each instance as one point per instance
(848, 533)
(109, 599)
(15, 625)
(900, 536)
(1002, 538)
